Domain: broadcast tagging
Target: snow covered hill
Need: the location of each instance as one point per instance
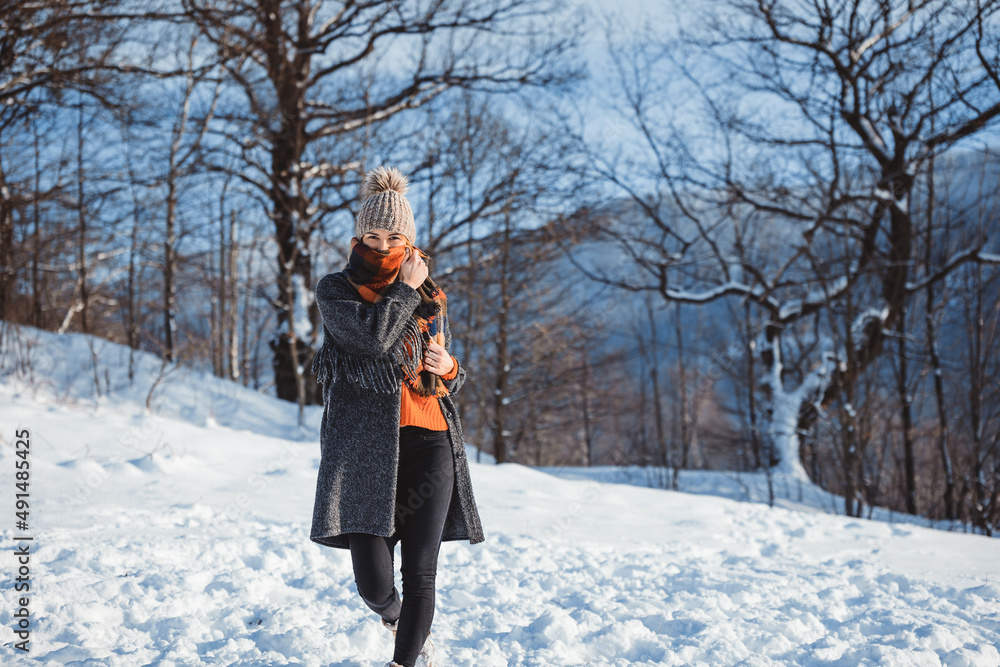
(180, 537)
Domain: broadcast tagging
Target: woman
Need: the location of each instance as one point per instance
(393, 465)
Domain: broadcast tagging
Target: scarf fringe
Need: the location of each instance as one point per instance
(381, 374)
(411, 350)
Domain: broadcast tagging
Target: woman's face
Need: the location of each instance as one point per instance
(381, 239)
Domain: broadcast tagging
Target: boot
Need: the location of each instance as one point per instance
(427, 654)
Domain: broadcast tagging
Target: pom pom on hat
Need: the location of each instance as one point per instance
(385, 205)
(384, 179)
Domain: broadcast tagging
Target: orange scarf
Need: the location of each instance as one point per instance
(371, 271)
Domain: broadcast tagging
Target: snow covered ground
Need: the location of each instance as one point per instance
(180, 537)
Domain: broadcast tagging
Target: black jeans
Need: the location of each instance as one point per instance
(425, 478)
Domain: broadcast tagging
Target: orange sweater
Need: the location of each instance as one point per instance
(425, 411)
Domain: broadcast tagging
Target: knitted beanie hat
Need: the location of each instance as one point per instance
(384, 205)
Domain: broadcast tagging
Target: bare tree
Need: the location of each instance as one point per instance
(797, 199)
(982, 471)
(308, 72)
(933, 352)
(43, 50)
(56, 57)
(180, 159)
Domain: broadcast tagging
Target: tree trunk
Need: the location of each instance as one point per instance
(977, 382)
(131, 318)
(588, 435)
(169, 242)
(786, 411)
(234, 310)
(7, 275)
(849, 452)
(664, 449)
(82, 227)
(902, 379)
(683, 395)
(752, 392)
(247, 354)
(293, 349)
(935, 357)
(219, 346)
(476, 350)
(36, 240)
(502, 360)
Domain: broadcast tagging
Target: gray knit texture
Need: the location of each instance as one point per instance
(359, 435)
(385, 205)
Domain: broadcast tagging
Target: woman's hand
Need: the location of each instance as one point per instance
(414, 270)
(437, 360)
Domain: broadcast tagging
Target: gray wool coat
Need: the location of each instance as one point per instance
(359, 435)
